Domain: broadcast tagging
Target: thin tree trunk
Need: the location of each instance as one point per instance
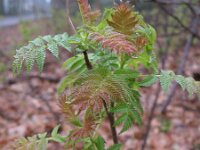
(148, 127)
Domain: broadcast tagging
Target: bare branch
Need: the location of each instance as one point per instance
(69, 18)
(151, 116)
(177, 19)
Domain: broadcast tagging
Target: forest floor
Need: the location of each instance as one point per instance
(28, 104)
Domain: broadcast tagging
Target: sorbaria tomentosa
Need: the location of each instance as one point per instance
(103, 79)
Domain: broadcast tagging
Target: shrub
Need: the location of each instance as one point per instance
(103, 77)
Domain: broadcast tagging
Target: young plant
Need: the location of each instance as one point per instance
(103, 77)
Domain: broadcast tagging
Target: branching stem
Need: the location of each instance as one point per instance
(109, 114)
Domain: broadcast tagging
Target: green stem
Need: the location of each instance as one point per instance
(122, 61)
(146, 75)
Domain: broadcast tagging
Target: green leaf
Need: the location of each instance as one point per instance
(181, 81)
(17, 66)
(119, 108)
(74, 39)
(152, 34)
(189, 83)
(74, 63)
(115, 147)
(53, 48)
(58, 138)
(77, 65)
(191, 86)
(128, 123)
(89, 144)
(166, 78)
(42, 145)
(76, 121)
(148, 81)
(54, 133)
(127, 73)
(55, 136)
(30, 55)
(128, 116)
(38, 42)
(32, 142)
(120, 119)
(198, 89)
(100, 143)
(69, 62)
(101, 26)
(136, 116)
(40, 57)
(67, 81)
(43, 135)
(62, 40)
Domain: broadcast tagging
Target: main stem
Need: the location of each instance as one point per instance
(110, 115)
(87, 61)
(112, 121)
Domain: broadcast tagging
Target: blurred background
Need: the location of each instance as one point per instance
(28, 103)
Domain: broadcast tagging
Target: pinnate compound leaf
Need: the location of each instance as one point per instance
(166, 78)
(88, 15)
(35, 51)
(123, 20)
(129, 114)
(36, 142)
(188, 84)
(115, 41)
